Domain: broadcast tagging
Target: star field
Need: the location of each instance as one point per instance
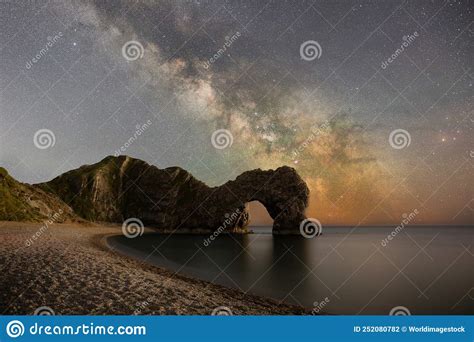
(237, 65)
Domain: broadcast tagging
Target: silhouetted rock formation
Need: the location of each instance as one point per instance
(118, 188)
(283, 193)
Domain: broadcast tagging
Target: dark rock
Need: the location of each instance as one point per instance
(118, 188)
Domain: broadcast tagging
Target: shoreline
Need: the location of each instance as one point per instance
(71, 269)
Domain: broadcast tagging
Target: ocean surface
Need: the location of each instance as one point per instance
(422, 270)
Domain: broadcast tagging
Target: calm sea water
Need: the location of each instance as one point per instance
(427, 270)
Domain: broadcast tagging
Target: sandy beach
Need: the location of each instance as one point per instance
(70, 269)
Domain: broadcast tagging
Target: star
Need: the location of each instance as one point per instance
(272, 101)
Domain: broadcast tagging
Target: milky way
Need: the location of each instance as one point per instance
(371, 102)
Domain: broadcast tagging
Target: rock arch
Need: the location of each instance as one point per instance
(121, 187)
(282, 192)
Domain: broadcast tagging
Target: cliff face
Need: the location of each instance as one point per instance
(24, 202)
(93, 191)
(118, 188)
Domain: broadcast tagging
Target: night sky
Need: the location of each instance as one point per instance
(371, 101)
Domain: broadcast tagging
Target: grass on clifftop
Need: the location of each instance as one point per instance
(12, 207)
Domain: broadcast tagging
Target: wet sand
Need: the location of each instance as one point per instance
(70, 269)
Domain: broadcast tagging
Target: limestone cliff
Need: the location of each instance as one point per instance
(118, 188)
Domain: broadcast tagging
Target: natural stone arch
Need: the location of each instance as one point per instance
(118, 188)
(282, 192)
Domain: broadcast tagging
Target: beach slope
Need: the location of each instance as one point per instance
(70, 269)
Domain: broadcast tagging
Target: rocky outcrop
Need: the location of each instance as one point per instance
(283, 193)
(118, 188)
(24, 202)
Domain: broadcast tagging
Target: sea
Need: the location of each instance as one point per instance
(419, 270)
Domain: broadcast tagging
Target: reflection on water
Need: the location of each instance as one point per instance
(427, 270)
